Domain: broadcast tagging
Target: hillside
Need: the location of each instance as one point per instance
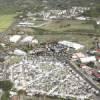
(68, 3)
(12, 5)
(9, 6)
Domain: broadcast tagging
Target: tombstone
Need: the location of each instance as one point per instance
(2, 57)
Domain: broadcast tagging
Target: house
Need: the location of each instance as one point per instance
(35, 41)
(81, 18)
(2, 45)
(88, 59)
(13, 93)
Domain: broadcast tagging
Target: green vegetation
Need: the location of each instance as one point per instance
(6, 87)
(64, 4)
(69, 25)
(93, 12)
(5, 96)
(85, 40)
(70, 30)
(10, 6)
(6, 21)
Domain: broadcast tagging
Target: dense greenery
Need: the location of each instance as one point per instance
(93, 12)
(6, 85)
(69, 3)
(5, 96)
(9, 6)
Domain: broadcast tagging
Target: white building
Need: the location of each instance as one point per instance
(15, 38)
(25, 24)
(88, 59)
(74, 45)
(19, 52)
(27, 39)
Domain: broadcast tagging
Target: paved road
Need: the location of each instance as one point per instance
(88, 79)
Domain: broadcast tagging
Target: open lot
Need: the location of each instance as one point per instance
(69, 25)
(85, 40)
(57, 30)
(6, 21)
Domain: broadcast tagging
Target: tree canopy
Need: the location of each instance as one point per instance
(13, 5)
(93, 12)
(6, 85)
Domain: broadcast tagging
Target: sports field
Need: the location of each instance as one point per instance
(6, 21)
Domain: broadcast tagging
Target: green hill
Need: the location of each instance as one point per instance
(9, 6)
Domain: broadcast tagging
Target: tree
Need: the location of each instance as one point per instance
(91, 64)
(93, 12)
(6, 85)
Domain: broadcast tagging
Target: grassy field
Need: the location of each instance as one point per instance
(69, 25)
(6, 21)
(87, 41)
(61, 30)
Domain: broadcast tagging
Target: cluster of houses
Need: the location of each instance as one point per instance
(74, 12)
(22, 40)
(89, 62)
(47, 76)
(45, 71)
(60, 14)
